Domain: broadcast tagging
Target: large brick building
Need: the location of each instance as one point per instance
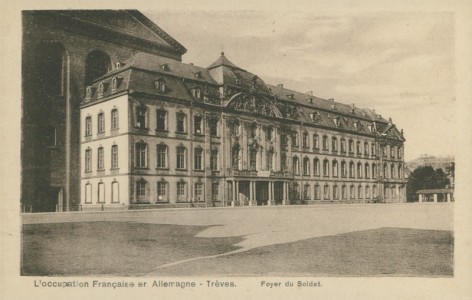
(113, 118)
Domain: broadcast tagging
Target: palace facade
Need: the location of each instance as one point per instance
(113, 119)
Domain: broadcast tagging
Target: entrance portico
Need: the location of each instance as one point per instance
(257, 192)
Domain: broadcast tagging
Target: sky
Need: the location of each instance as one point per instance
(400, 64)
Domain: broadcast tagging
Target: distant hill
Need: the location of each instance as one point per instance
(429, 160)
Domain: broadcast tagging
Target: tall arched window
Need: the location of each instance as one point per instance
(335, 168)
(52, 69)
(351, 169)
(374, 170)
(97, 64)
(235, 157)
(316, 142)
(306, 166)
(334, 142)
(325, 167)
(343, 169)
(367, 170)
(283, 162)
(253, 159)
(296, 166)
(359, 170)
(316, 167)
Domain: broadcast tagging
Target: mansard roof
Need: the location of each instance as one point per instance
(224, 72)
(170, 67)
(140, 73)
(223, 61)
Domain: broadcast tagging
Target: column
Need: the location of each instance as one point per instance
(233, 192)
(435, 197)
(448, 197)
(269, 187)
(420, 198)
(237, 192)
(283, 193)
(251, 194)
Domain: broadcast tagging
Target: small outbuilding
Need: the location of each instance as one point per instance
(436, 195)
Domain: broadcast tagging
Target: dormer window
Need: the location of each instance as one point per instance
(88, 93)
(290, 96)
(336, 121)
(198, 74)
(238, 82)
(101, 88)
(115, 83)
(118, 65)
(356, 125)
(160, 85)
(165, 67)
(197, 93)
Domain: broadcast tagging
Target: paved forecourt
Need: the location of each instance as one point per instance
(268, 225)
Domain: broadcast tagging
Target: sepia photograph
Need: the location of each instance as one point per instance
(193, 148)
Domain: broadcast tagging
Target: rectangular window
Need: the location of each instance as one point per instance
(252, 160)
(161, 120)
(114, 157)
(161, 191)
(306, 192)
(214, 127)
(114, 119)
(115, 192)
(101, 123)
(198, 125)
(180, 188)
(88, 126)
(325, 143)
(100, 158)
(162, 156)
(198, 159)
(88, 193)
(181, 191)
(366, 148)
(214, 191)
(214, 160)
(335, 192)
(101, 192)
(88, 160)
(141, 155)
(180, 158)
(198, 191)
(141, 112)
(181, 120)
(305, 140)
(326, 192)
(317, 192)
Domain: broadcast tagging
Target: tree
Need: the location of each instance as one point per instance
(425, 177)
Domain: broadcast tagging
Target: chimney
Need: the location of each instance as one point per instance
(191, 64)
(331, 99)
(390, 120)
(280, 85)
(309, 93)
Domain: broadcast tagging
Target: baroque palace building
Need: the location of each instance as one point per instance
(113, 119)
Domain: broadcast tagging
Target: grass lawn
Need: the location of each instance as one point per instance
(378, 252)
(136, 249)
(112, 248)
